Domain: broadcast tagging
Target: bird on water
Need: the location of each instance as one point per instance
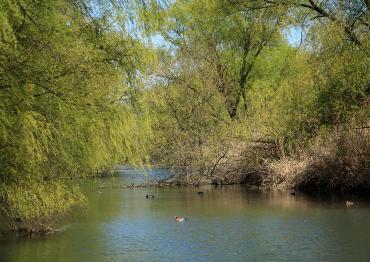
(180, 219)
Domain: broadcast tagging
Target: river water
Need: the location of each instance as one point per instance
(228, 223)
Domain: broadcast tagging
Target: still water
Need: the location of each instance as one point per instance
(229, 223)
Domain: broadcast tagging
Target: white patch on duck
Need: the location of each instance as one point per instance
(180, 219)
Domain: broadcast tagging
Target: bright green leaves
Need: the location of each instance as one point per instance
(217, 37)
(271, 90)
(32, 206)
(68, 79)
(282, 102)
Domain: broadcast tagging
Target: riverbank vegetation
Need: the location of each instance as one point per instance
(273, 93)
(238, 103)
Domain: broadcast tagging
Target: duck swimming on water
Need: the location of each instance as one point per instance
(180, 219)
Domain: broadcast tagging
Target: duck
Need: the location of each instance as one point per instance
(292, 193)
(200, 193)
(149, 196)
(349, 203)
(180, 219)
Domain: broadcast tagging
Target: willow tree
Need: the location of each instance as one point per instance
(272, 92)
(213, 54)
(216, 35)
(69, 104)
(337, 38)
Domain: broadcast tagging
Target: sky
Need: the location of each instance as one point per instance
(292, 34)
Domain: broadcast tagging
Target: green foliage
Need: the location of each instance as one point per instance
(341, 74)
(191, 124)
(282, 102)
(216, 37)
(70, 104)
(32, 206)
(262, 88)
